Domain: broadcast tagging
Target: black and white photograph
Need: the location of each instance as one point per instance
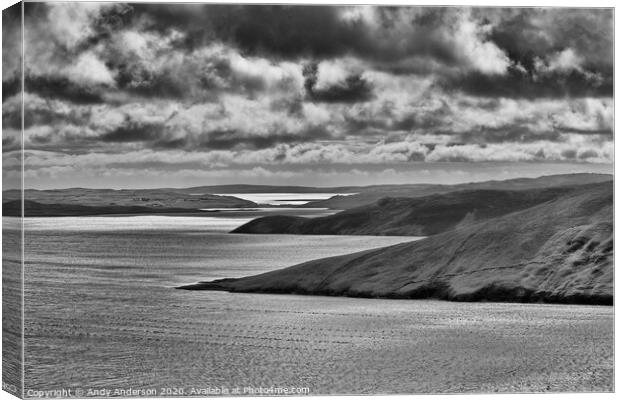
(228, 199)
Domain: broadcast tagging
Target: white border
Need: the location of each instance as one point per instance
(484, 3)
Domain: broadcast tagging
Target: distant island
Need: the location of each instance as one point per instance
(534, 245)
(82, 202)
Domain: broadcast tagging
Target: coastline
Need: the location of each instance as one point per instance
(493, 294)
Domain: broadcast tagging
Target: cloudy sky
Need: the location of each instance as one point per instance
(137, 95)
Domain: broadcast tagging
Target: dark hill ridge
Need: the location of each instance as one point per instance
(371, 194)
(33, 209)
(422, 216)
(557, 251)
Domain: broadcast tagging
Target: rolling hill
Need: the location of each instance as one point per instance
(410, 216)
(370, 194)
(556, 251)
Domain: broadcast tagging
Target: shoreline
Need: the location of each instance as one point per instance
(485, 295)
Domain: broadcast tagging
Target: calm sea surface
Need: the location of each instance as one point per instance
(102, 313)
(277, 199)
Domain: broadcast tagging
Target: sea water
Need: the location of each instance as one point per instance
(102, 314)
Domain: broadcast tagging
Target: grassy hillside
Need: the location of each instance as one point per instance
(406, 216)
(372, 194)
(557, 251)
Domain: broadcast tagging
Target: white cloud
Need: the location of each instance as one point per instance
(469, 41)
(563, 61)
(535, 151)
(458, 33)
(335, 71)
(88, 69)
(70, 23)
(283, 75)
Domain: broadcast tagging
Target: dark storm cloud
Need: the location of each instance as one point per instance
(528, 33)
(11, 41)
(42, 112)
(410, 122)
(145, 83)
(527, 36)
(506, 133)
(158, 135)
(305, 31)
(416, 121)
(388, 121)
(284, 31)
(608, 133)
(11, 119)
(11, 86)
(292, 31)
(293, 106)
(317, 32)
(517, 84)
(11, 52)
(134, 131)
(60, 87)
(231, 139)
(50, 117)
(398, 40)
(10, 143)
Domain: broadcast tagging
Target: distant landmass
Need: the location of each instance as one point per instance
(556, 250)
(80, 201)
(247, 189)
(34, 209)
(73, 201)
